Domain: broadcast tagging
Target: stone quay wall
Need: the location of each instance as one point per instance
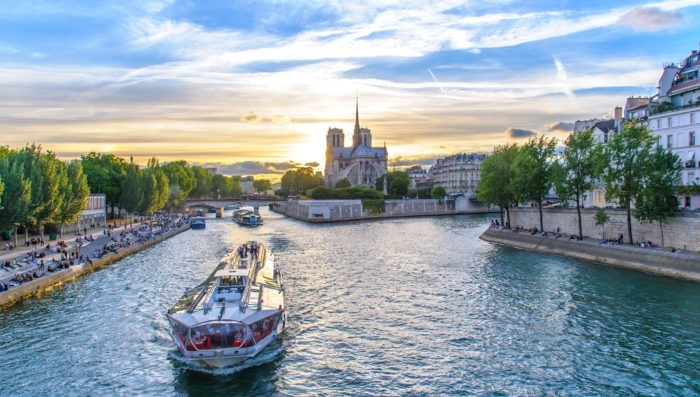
(681, 265)
(320, 211)
(681, 232)
(53, 280)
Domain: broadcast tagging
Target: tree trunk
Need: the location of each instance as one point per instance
(629, 223)
(541, 221)
(661, 227)
(15, 236)
(501, 213)
(578, 212)
(508, 217)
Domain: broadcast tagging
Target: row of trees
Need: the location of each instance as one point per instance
(633, 168)
(156, 186)
(37, 189)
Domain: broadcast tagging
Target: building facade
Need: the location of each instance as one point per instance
(360, 163)
(674, 119)
(459, 174)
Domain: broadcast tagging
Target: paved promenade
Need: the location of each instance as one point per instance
(662, 261)
(25, 276)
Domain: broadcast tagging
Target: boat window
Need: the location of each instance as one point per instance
(179, 330)
(220, 335)
(262, 328)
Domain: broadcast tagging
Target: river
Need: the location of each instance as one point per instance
(408, 307)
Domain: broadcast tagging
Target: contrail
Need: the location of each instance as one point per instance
(436, 82)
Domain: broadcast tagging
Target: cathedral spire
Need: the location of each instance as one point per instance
(357, 115)
(356, 138)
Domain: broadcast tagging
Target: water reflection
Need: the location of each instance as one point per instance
(394, 307)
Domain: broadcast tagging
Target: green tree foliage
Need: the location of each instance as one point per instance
(45, 176)
(626, 160)
(262, 185)
(299, 180)
(343, 183)
(105, 173)
(156, 187)
(438, 192)
(132, 189)
(532, 174)
(574, 175)
(397, 183)
(601, 218)
(203, 184)
(75, 192)
(181, 175)
(657, 200)
(496, 175)
(220, 186)
(17, 193)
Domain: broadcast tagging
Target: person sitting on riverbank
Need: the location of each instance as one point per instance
(8, 246)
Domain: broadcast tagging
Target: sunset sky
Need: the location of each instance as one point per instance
(251, 87)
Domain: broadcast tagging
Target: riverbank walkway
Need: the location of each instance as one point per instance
(24, 266)
(647, 258)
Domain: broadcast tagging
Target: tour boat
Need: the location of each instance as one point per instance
(247, 216)
(198, 222)
(235, 312)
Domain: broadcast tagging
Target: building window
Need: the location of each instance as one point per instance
(692, 118)
(691, 140)
(658, 123)
(669, 122)
(669, 141)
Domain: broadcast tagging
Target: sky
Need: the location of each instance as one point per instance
(251, 87)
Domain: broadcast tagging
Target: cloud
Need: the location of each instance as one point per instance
(407, 161)
(651, 19)
(519, 133)
(562, 126)
(251, 118)
(312, 164)
(253, 167)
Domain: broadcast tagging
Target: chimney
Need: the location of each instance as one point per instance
(618, 115)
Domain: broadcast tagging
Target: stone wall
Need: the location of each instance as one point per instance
(346, 210)
(682, 231)
(683, 265)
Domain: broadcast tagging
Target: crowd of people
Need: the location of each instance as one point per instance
(35, 264)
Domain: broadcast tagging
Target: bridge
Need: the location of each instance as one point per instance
(213, 205)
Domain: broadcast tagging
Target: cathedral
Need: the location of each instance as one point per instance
(361, 163)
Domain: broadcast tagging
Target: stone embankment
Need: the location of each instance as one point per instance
(52, 280)
(677, 263)
(323, 211)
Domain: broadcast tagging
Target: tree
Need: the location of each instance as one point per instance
(75, 193)
(17, 193)
(343, 183)
(300, 179)
(220, 185)
(575, 174)
(438, 192)
(45, 177)
(396, 183)
(494, 186)
(262, 185)
(532, 175)
(105, 173)
(657, 200)
(180, 174)
(202, 182)
(626, 158)
(601, 218)
(132, 194)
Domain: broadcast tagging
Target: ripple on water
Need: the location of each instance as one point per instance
(396, 307)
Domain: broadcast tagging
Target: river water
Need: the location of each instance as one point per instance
(408, 307)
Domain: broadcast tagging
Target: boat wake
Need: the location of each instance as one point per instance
(265, 357)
